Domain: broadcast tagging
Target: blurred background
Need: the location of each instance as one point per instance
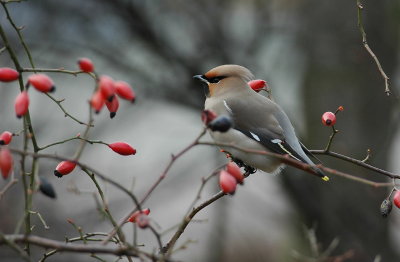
(310, 53)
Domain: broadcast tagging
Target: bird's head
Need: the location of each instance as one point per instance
(225, 78)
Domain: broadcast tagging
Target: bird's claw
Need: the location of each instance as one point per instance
(248, 169)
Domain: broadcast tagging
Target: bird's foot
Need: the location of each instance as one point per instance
(237, 161)
(248, 169)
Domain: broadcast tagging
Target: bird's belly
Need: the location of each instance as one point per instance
(238, 139)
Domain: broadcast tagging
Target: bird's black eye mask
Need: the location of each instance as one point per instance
(215, 80)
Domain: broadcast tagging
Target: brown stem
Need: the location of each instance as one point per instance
(167, 249)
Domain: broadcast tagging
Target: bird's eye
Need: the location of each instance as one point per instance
(216, 79)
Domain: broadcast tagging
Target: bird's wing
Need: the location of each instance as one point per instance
(264, 126)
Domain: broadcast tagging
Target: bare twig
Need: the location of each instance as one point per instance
(80, 248)
(357, 162)
(82, 165)
(40, 218)
(58, 143)
(367, 157)
(168, 167)
(79, 229)
(369, 50)
(18, 30)
(158, 181)
(59, 70)
(10, 183)
(204, 181)
(87, 237)
(334, 132)
(105, 205)
(355, 178)
(66, 114)
(11, 243)
(167, 249)
(157, 235)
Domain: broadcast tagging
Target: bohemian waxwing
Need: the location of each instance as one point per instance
(258, 122)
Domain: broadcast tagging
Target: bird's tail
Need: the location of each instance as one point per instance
(320, 173)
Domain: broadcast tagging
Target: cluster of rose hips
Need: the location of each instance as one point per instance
(106, 93)
(230, 177)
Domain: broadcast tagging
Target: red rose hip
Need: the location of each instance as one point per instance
(8, 74)
(124, 90)
(257, 84)
(21, 104)
(86, 65)
(41, 82)
(133, 217)
(227, 182)
(97, 101)
(5, 138)
(396, 199)
(235, 171)
(106, 87)
(328, 119)
(64, 168)
(113, 106)
(122, 148)
(6, 162)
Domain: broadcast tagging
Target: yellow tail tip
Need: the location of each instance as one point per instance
(325, 178)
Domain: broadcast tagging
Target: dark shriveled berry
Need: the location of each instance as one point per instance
(46, 188)
(386, 207)
(221, 124)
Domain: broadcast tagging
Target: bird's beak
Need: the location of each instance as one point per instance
(202, 78)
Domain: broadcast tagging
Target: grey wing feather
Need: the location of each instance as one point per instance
(271, 127)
